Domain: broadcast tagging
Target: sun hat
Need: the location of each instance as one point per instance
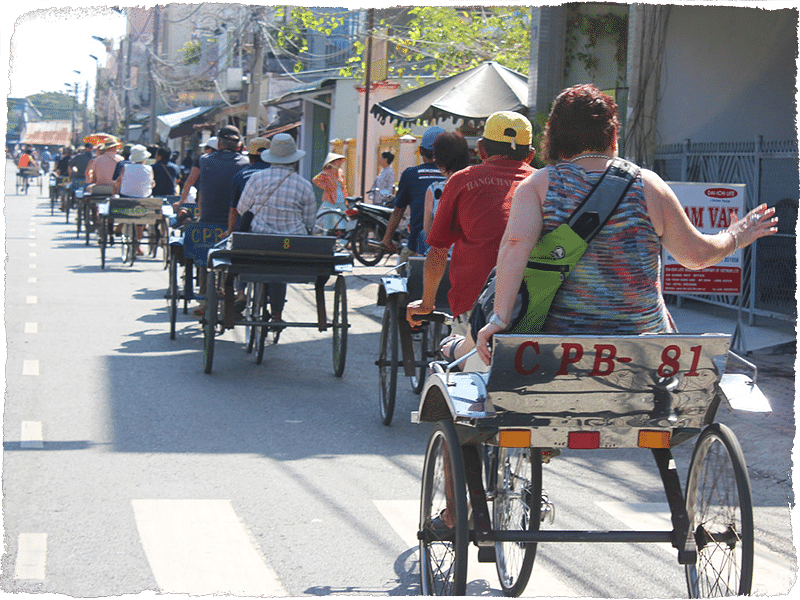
(257, 144)
(332, 156)
(282, 151)
(429, 136)
(111, 142)
(510, 127)
(230, 132)
(139, 153)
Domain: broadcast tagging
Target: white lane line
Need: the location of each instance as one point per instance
(773, 574)
(31, 556)
(32, 279)
(31, 435)
(200, 547)
(31, 328)
(30, 367)
(32, 266)
(403, 516)
(32, 244)
(32, 254)
(31, 300)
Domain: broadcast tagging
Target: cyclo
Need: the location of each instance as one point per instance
(545, 394)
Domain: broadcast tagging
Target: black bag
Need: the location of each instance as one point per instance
(244, 221)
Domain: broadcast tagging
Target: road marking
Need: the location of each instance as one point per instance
(31, 328)
(31, 556)
(32, 244)
(403, 516)
(199, 547)
(32, 266)
(32, 254)
(773, 574)
(30, 367)
(31, 300)
(32, 279)
(31, 435)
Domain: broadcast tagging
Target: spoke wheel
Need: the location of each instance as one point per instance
(387, 361)
(366, 244)
(340, 326)
(102, 238)
(87, 219)
(420, 343)
(333, 223)
(719, 503)
(173, 294)
(78, 219)
(263, 330)
(251, 331)
(443, 552)
(209, 322)
(516, 506)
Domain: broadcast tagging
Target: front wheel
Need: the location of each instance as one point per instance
(387, 361)
(720, 509)
(340, 326)
(443, 549)
(516, 506)
(366, 244)
(333, 223)
(173, 294)
(210, 322)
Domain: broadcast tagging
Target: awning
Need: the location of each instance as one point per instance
(179, 124)
(310, 92)
(47, 133)
(472, 95)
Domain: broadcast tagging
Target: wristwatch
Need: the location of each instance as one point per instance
(495, 320)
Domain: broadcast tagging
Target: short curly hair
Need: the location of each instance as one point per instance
(582, 118)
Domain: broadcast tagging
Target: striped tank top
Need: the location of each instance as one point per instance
(615, 288)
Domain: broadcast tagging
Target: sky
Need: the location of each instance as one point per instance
(45, 47)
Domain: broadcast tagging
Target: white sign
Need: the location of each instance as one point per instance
(711, 207)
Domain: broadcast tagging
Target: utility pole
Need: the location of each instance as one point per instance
(151, 68)
(368, 78)
(256, 73)
(126, 85)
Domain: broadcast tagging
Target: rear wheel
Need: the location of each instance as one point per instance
(419, 341)
(173, 294)
(209, 322)
(442, 549)
(102, 239)
(720, 508)
(387, 362)
(340, 326)
(366, 244)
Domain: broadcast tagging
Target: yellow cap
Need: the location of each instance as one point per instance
(508, 126)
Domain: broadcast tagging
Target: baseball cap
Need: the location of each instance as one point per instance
(230, 132)
(429, 136)
(257, 144)
(210, 143)
(510, 127)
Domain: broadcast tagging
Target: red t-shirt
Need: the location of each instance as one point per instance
(472, 217)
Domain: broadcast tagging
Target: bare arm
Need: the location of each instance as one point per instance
(391, 227)
(190, 181)
(435, 266)
(428, 217)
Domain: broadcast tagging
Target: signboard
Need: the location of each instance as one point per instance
(711, 207)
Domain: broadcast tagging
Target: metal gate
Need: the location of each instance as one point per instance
(770, 171)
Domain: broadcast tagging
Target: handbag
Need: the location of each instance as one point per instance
(556, 253)
(246, 218)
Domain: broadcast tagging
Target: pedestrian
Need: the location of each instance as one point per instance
(281, 202)
(615, 287)
(166, 174)
(255, 147)
(382, 188)
(414, 182)
(471, 218)
(334, 188)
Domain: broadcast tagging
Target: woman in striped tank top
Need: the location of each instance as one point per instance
(615, 287)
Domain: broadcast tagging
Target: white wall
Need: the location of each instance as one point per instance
(729, 75)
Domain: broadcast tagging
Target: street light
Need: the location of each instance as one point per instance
(96, 84)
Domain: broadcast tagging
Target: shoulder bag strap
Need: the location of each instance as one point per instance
(274, 189)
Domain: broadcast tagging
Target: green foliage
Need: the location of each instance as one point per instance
(293, 25)
(55, 105)
(582, 26)
(190, 53)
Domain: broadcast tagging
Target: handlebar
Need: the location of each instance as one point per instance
(435, 317)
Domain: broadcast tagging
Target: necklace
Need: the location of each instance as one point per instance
(582, 156)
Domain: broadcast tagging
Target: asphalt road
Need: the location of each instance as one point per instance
(126, 468)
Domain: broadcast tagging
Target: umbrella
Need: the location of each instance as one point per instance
(95, 139)
(473, 94)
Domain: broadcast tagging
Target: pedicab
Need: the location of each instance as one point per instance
(128, 214)
(547, 394)
(260, 259)
(399, 343)
(24, 177)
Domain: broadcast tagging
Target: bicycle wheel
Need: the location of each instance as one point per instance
(516, 506)
(250, 332)
(387, 361)
(366, 244)
(419, 341)
(442, 550)
(78, 219)
(68, 198)
(173, 294)
(87, 219)
(333, 223)
(209, 322)
(340, 326)
(263, 330)
(720, 508)
(102, 239)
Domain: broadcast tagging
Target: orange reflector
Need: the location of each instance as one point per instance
(584, 440)
(515, 438)
(653, 439)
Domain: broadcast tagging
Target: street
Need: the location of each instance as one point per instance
(126, 468)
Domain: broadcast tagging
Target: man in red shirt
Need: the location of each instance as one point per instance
(472, 217)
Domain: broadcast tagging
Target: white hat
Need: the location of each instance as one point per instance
(139, 153)
(282, 151)
(210, 142)
(332, 156)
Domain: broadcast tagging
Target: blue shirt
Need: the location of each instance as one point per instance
(216, 174)
(414, 182)
(240, 179)
(165, 175)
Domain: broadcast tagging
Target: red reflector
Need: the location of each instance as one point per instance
(584, 440)
(351, 212)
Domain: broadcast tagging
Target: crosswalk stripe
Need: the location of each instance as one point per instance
(31, 556)
(200, 547)
(30, 367)
(31, 435)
